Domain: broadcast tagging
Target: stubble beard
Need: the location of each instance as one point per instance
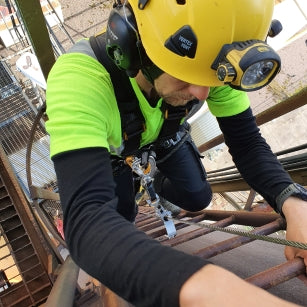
(177, 99)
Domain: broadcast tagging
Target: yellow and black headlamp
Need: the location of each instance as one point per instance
(247, 66)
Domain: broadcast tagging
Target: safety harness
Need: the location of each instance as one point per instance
(132, 120)
(141, 161)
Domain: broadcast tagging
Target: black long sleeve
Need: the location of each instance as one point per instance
(253, 156)
(106, 245)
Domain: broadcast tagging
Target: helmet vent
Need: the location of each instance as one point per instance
(183, 42)
(181, 2)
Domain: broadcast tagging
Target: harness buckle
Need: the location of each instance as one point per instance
(153, 198)
(172, 141)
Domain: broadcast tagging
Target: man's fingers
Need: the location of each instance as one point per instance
(303, 278)
(289, 252)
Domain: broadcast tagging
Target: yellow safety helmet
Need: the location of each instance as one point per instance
(191, 39)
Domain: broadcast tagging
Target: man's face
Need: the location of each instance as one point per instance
(177, 92)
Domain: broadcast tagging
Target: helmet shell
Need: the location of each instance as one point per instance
(213, 22)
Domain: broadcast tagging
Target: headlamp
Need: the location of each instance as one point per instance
(247, 66)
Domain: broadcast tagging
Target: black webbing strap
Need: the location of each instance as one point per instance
(172, 119)
(132, 120)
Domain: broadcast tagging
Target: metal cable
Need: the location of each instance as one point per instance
(246, 234)
(231, 230)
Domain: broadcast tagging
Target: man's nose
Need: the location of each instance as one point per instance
(200, 92)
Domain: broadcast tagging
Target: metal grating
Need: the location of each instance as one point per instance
(5, 77)
(8, 83)
(23, 280)
(23, 277)
(16, 119)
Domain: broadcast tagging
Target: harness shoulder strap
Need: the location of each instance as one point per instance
(132, 120)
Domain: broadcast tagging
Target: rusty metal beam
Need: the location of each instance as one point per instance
(160, 233)
(293, 102)
(278, 274)
(250, 199)
(64, 288)
(299, 176)
(237, 241)
(254, 219)
(156, 230)
(197, 233)
(231, 201)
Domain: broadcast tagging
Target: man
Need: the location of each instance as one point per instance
(168, 48)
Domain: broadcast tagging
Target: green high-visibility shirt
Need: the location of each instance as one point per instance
(82, 108)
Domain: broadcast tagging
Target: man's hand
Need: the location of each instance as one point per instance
(214, 286)
(295, 211)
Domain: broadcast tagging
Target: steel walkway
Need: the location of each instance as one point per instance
(261, 263)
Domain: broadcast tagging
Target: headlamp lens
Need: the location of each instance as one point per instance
(247, 65)
(257, 73)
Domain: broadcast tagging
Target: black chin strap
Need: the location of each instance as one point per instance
(152, 72)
